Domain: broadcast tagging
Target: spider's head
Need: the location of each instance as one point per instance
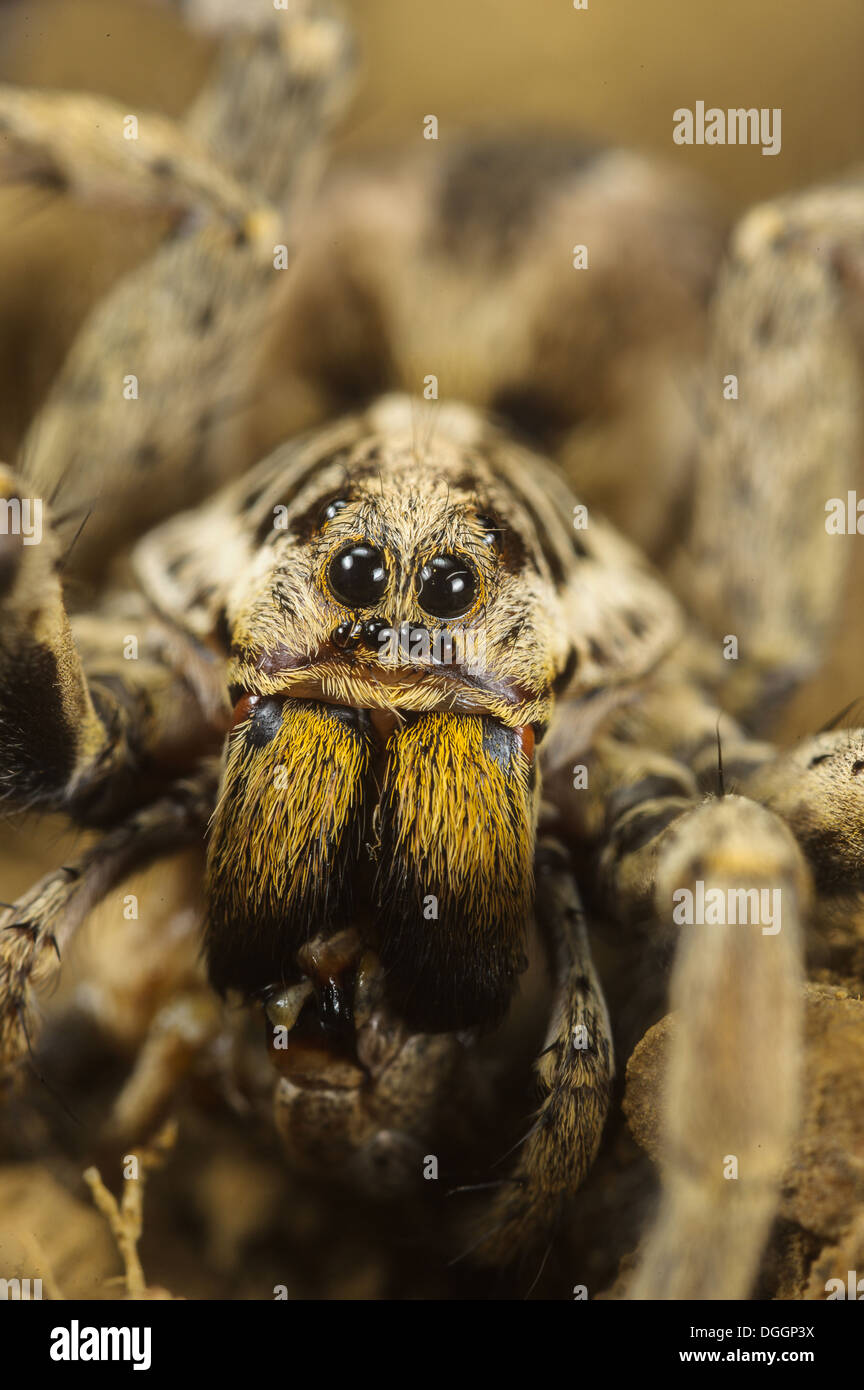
(391, 572)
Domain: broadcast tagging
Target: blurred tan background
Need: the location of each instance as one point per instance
(618, 70)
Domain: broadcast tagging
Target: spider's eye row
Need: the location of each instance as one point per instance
(448, 586)
(358, 575)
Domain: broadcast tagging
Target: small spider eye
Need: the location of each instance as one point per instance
(448, 586)
(334, 508)
(491, 530)
(358, 576)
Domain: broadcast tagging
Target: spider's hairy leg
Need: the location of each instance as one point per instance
(574, 1077)
(759, 562)
(615, 788)
(652, 757)
(83, 730)
(643, 764)
(817, 788)
(735, 990)
(251, 138)
(48, 725)
(72, 143)
(282, 77)
(34, 932)
(731, 1085)
(151, 409)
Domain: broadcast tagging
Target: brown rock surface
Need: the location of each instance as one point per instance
(822, 1194)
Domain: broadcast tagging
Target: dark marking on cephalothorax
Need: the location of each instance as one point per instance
(564, 677)
(267, 530)
(553, 555)
(279, 593)
(280, 658)
(222, 630)
(251, 498)
(513, 632)
(493, 191)
(303, 526)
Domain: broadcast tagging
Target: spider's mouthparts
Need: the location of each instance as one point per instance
(371, 685)
(423, 826)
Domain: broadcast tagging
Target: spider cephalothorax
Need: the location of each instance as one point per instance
(400, 613)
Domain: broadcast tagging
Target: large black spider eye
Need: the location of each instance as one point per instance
(448, 586)
(358, 575)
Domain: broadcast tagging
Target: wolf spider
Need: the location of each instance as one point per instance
(377, 845)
